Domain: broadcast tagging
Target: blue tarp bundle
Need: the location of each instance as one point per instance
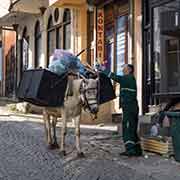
(63, 61)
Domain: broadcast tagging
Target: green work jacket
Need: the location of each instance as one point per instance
(128, 88)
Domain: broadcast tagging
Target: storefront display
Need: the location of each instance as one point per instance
(116, 36)
(162, 30)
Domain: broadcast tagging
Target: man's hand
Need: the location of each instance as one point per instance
(101, 68)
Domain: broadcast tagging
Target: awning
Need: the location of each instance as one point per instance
(67, 3)
(13, 18)
(29, 6)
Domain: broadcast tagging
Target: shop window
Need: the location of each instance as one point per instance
(166, 62)
(109, 48)
(116, 37)
(146, 12)
(25, 50)
(173, 64)
(38, 45)
(121, 43)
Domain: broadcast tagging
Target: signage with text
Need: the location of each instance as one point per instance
(100, 35)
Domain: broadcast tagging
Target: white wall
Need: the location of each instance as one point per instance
(1, 57)
(30, 22)
(4, 5)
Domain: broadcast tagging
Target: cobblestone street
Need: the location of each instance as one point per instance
(24, 156)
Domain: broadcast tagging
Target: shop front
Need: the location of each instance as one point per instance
(112, 35)
(162, 51)
(113, 39)
(118, 40)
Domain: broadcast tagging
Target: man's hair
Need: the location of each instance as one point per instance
(131, 68)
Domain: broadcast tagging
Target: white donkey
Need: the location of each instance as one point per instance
(80, 93)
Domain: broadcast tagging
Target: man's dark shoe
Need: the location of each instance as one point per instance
(126, 154)
(139, 153)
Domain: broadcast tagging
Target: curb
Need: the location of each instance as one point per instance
(33, 116)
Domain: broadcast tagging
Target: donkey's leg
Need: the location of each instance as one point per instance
(47, 126)
(63, 134)
(77, 133)
(54, 122)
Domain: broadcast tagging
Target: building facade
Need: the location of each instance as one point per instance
(121, 41)
(113, 37)
(161, 27)
(110, 31)
(7, 55)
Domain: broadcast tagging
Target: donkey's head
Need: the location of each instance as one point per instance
(90, 94)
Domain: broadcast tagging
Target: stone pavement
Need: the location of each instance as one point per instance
(24, 156)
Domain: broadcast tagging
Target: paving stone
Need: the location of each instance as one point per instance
(24, 156)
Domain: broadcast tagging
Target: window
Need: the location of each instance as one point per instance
(90, 38)
(116, 37)
(166, 64)
(67, 29)
(38, 45)
(25, 50)
(51, 39)
(173, 63)
(59, 36)
(121, 42)
(146, 12)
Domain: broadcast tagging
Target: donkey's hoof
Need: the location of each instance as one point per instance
(55, 146)
(62, 153)
(80, 155)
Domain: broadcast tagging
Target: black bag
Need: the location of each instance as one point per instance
(42, 87)
(106, 89)
(45, 88)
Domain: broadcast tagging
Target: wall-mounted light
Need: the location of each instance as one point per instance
(42, 9)
(90, 5)
(15, 26)
(90, 8)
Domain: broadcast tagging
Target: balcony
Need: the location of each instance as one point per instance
(13, 1)
(67, 3)
(28, 6)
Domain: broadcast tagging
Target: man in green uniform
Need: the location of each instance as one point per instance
(129, 104)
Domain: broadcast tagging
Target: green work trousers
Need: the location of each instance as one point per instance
(130, 125)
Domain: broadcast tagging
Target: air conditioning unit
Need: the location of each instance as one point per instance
(170, 23)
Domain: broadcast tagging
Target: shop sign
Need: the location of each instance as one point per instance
(100, 35)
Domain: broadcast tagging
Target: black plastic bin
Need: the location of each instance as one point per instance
(174, 117)
(42, 87)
